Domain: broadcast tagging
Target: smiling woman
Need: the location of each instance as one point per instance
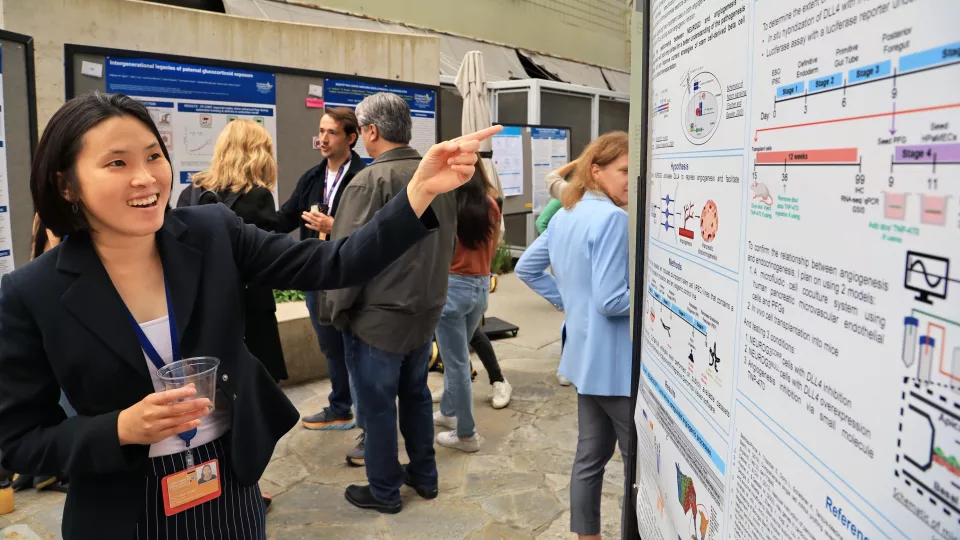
(136, 286)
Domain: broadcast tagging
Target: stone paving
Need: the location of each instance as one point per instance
(516, 487)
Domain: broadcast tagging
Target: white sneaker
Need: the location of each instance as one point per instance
(563, 380)
(436, 395)
(451, 440)
(449, 422)
(502, 391)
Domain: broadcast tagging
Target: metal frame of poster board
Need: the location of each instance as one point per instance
(630, 528)
(71, 50)
(21, 226)
(27, 42)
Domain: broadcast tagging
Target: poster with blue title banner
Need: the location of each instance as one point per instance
(191, 104)
(6, 233)
(422, 103)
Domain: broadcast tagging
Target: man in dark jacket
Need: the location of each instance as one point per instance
(312, 207)
(388, 323)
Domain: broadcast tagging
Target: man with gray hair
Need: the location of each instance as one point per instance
(388, 323)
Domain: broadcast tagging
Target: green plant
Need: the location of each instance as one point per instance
(502, 259)
(288, 296)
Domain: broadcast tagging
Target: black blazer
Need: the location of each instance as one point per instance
(256, 207)
(309, 191)
(63, 325)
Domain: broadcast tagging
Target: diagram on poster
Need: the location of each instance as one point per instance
(683, 496)
(191, 104)
(422, 103)
(697, 207)
(804, 233)
(699, 93)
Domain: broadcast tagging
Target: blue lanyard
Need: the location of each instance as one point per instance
(154, 356)
(327, 193)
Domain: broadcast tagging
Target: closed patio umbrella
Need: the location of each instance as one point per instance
(472, 84)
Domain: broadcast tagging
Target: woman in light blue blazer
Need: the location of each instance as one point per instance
(586, 245)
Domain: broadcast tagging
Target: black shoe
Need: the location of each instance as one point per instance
(326, 420)
(355, 454)
(362, 497)
(426, 492)
(22, 481)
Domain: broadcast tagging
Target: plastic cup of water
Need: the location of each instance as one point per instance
(200, 372)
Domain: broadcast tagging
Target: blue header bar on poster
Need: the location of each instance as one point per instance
(548, 133)
(174, 80)
(422, 102)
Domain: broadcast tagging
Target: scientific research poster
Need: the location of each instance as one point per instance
(422, 103)
(6, 234)
(191, 104)
(508, 159)
(549, 152)
(801, 301)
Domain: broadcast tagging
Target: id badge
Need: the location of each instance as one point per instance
(191, 487)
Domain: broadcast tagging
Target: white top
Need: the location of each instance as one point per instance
(331, 189)
(213, 426)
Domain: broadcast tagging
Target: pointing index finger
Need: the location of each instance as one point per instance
(481, 135)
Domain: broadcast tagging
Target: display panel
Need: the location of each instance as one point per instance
(800, 339)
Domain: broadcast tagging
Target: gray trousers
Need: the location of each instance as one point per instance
(604, 421)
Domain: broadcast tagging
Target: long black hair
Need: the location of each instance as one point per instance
(474, 227)
(53, 173)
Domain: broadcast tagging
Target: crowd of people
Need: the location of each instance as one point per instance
(394, 256)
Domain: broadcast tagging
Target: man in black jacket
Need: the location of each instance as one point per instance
(312, 207)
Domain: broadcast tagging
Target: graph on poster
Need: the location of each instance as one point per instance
(800, 344)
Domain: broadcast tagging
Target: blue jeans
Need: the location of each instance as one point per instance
(331, 343)
(380, 378)
(467, 298)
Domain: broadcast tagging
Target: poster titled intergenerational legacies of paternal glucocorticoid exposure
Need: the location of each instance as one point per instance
(191, 104)
(801, 331)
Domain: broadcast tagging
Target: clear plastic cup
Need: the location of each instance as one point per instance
(200, 372)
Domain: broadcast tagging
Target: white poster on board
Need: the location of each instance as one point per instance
(549, 154)
(6, 233)
(508, 159)
(191, 104)
(801, 314)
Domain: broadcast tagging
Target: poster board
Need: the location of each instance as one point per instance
(18, 138)
(799, 329)
(299, 101)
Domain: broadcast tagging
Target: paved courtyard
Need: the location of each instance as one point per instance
(516, 487)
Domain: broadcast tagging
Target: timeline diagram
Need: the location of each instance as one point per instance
(904, 146)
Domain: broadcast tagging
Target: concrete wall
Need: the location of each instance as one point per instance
(128, 24)
(592, 31)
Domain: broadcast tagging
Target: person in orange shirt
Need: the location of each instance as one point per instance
(478, 223)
